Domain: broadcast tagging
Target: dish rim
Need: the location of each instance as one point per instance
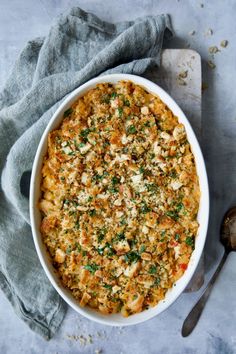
(203, 214)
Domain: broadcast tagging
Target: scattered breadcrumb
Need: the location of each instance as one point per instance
(192, 33)
(90, 339)
(181, 81)
(98, 351)
(213, 49)
(209, 32)
(101, 335)
(224, 43)
(82, 339)
(183, 74)
(211, 64)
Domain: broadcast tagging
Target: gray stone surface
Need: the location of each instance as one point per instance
(22, 20)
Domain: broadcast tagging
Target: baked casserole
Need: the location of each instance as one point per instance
(120, 198)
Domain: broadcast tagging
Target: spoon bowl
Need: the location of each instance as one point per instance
(228, 240)
(228, 230)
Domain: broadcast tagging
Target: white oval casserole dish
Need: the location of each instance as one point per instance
(35, 216)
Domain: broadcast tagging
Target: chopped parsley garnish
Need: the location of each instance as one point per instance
(163, 233)
(101, 234)
(144, 208)
(91, 267)
(142, 248)
(100, 238)
(177, 237)
(132, 243)
(152, 269)
(106, 99)
(107, 286)
(92, 212)
(179, 207)
(97, 177)
(67, 112)
(172, 214)
(152, 155)
(120, 111)
(68, 250)
(120, 236)
(115, 180)
(157, 281)
(111, 251)
(141, 169)
(100, 250)
(189, 241)
(123, 221)
(147, 124)
(84, 134)
(114, 95)
(152, 187)
(78, 247)
(127, 103)
(81, 145)
(173, 174)
(72, 153)
(132, 257)
(113, 190)
(131, 129)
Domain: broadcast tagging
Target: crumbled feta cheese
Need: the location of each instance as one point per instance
(117, 202)
(145, 110)
(122, 158)
(85, 148)
(81, 208)
(115, 103)
(179, 132)
(131, 270)
(119, 214)
(165, 136)
(60, 256)
(176, 185)
(121, 247)
(100, 170)
(136, 179)
(115, 289)
(67, 150)
(145, 230)
(84, 178)
(156, 148)
(124, 139)
(72, 177)
(162, 166)
(134, 212)
(177, 251)
(102, 196)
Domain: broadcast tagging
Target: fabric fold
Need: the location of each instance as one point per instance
(79, 46)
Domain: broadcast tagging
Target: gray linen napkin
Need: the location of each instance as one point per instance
(78, 47)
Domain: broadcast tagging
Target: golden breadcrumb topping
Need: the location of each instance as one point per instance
(120, 197)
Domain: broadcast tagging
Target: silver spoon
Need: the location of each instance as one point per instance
(228, 239)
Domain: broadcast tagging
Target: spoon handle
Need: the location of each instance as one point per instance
(194, 315)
